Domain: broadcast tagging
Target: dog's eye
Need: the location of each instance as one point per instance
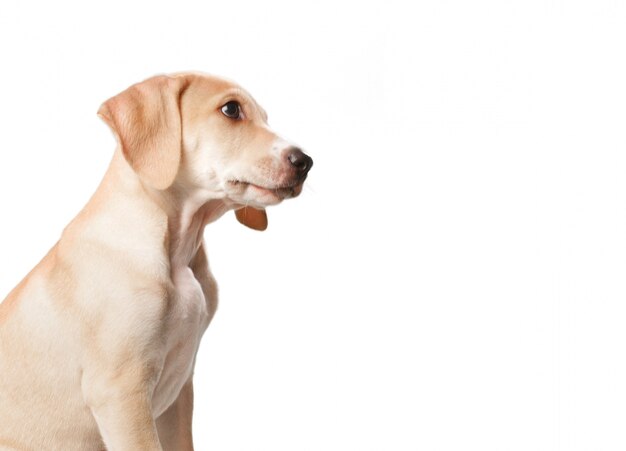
(232, 110)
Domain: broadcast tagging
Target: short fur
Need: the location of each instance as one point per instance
(98, 343)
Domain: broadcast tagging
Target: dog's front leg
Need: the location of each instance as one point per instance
(174, 425)
(122, 409)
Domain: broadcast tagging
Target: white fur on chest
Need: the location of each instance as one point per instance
(187, 319)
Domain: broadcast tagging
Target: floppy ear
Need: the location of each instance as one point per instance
(253, 218)
(146, 120)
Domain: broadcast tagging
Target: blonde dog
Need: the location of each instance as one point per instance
(98, 342)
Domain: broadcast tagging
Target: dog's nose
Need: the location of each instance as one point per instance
(301, 161)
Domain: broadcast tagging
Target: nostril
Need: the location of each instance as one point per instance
(300, 160)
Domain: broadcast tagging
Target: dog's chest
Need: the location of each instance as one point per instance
(187, 319)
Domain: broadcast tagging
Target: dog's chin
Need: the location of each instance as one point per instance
(247, 193)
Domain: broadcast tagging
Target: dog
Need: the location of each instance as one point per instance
(98, 342)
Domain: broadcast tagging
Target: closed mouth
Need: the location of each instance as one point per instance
(281, 191)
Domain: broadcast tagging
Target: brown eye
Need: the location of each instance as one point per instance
(232, 110)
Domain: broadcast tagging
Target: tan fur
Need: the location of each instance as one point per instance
(98, 342)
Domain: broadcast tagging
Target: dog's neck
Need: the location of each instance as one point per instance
(187, 215)
(168, 221)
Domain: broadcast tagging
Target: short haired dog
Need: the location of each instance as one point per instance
(98, 342)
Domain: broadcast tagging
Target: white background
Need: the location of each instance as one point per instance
(452, 278)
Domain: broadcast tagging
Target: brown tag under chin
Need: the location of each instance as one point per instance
(253, 218)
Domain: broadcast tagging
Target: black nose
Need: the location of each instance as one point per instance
(300, 160)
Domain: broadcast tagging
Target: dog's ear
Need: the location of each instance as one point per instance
(146, 120)
(252, 217)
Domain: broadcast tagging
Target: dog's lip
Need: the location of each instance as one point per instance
(264, 188)
(279, 193)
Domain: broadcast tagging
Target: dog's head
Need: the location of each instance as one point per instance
(198, 133)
